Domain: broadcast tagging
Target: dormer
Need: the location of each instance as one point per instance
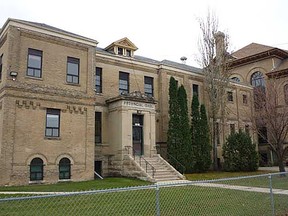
(122, 47)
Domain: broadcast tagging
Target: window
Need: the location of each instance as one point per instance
(232, 128)
(217, 133)
(36, 169)
(286, 93)
(195, 89)
(123, 83)
(52, 123)
(64, 168)
(98, 82)
(247, 129)
(148, 86)
(1, 59)
(262, 135)
(258, 82)
(128, 53)
(73, 70)
(98, 127)
(235, 79)
(230, 96)
(120, 51)
(245, 100)
(257, 79)
(34, 68)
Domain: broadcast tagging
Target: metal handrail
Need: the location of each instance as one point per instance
(99, 176)
(140, 158)
(175, 160)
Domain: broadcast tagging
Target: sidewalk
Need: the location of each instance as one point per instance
(274, 168)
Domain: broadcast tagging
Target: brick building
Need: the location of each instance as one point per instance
(256, 65)
(69, 109)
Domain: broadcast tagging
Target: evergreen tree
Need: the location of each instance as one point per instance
(195, 138)
(184, 154)
(200, 137)
(204, 162)
(172, 134)
(240, 153)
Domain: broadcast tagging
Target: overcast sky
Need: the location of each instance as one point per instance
(161, 29)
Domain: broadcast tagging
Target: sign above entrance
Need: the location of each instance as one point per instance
(138, 105)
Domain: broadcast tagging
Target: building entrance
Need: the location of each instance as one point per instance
(137, 127)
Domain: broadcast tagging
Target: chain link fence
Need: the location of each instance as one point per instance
(253, 195)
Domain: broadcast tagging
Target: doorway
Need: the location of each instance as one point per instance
(137, 127)
(97, 168)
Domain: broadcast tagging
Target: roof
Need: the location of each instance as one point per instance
(255, 52)
(250, 50)
(181, 66)
(47, 27)
(165, 62)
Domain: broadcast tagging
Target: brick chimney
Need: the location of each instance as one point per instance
(220, 44)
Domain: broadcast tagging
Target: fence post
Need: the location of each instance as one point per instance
(157, 200)
(271, 195)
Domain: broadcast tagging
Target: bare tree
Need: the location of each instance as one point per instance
(214, 58)
(271, 114)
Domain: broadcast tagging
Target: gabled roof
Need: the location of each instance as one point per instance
(251, 49)
(124, 42)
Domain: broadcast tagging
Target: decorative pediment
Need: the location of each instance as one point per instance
(133, 96)
(123, 43)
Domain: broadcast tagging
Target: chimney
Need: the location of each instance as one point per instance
(220, 44)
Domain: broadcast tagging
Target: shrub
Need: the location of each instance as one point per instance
(240, 153)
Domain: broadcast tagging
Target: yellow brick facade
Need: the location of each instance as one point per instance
(25, 100)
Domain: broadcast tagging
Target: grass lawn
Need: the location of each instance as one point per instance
(182, 200)
(79, 186)
(218, 175)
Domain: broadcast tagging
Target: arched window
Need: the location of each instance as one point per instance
(286, 93)
(235, 79)
(64, 168)
(36, 169)
(257, 79)
(258, 83)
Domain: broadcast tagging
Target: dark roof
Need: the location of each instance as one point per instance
(52, 28)
(181, 66)
(156, 62)
(250, 50)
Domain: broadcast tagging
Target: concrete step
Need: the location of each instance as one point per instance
(163, 171)
(166, 179)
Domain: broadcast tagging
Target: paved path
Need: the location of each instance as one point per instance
(224, 186)
(244, 188)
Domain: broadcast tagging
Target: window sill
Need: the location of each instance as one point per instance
(101, 145)
(98, 93)
(64, 180)
(37, 182)
(52, 138)
(73, 84)
(34, 78)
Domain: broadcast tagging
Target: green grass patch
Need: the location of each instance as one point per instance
(218, 175)
(79, 186)
(181, 200)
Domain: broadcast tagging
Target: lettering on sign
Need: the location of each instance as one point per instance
(138, 104)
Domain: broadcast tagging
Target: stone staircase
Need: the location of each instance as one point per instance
(163, 170)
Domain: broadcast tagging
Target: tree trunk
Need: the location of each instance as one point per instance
(214, 142)
(281, 166)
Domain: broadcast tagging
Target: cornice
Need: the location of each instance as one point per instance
(281, 54)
